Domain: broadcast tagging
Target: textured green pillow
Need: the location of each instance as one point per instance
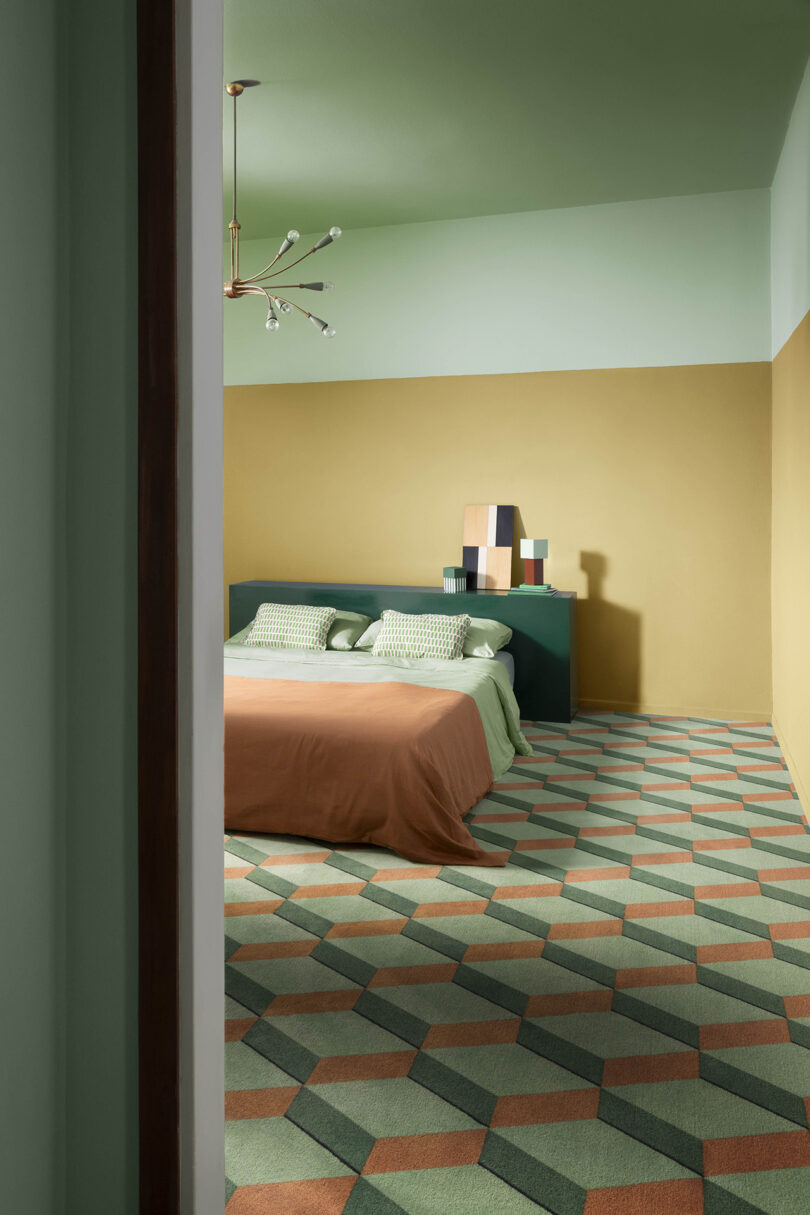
(347, 630)
(485, 637)
(343, 635)
(422, 636)
(291, 626)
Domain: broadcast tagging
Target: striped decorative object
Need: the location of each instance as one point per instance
(534, 552)
(455, 579)
(423, 636)
(487, 551)
(489, 526)
(291, 626)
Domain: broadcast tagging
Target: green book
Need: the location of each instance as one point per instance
(526, 589)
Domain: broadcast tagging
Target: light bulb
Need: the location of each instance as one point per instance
(271, 324)
(328, 331)
(284, 307)
(317, 286)
(318, 323)
(335, 233)
(326, 286)
(288, 242)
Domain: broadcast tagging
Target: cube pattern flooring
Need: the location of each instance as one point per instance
(616, 1023)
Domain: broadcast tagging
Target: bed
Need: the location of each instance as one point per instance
(349, 747)
(344, 747)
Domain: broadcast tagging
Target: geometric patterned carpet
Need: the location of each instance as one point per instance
(617, 1023)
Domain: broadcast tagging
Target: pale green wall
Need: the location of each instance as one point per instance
(31, 991)
(790, 230)
(656, 283)
(68, 1141)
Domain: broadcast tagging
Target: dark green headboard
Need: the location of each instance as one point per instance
(543, 642)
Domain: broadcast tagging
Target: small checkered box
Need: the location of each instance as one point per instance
(455, 579)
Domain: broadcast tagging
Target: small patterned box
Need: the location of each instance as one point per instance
(455, 579)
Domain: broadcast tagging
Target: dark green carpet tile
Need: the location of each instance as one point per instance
(617, 1022)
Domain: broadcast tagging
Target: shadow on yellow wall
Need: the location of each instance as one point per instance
(609, 636)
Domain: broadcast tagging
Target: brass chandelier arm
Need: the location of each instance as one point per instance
(262, 274)
(254, 290)
(284, 286)
(260, 277)
(280, 299)
(282, 269)
(292, 304)
(253, 278)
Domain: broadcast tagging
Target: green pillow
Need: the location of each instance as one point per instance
(485, 637)
(343, 635)
(424, 635)
(291, 626)
(366, 642)
(347, 630)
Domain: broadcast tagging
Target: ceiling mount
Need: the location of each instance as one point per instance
(236, 286)
(237, 87)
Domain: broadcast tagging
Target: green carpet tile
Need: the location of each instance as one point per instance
(617, 1022)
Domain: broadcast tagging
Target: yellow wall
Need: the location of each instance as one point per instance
(653, 485)
(791, 554)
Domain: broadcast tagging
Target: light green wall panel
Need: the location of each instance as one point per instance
(31, 907)
(68, 868)
(790, 232)
(655, 283)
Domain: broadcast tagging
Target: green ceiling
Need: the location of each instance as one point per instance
(379, 112)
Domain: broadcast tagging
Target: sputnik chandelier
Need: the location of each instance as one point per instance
(237, 287)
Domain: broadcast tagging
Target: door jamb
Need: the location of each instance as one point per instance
(180, 409)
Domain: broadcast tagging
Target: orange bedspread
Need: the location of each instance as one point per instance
(386, 763)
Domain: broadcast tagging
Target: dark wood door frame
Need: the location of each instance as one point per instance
(158, 984)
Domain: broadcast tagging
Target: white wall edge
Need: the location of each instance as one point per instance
(200, 557)
(790, 227)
